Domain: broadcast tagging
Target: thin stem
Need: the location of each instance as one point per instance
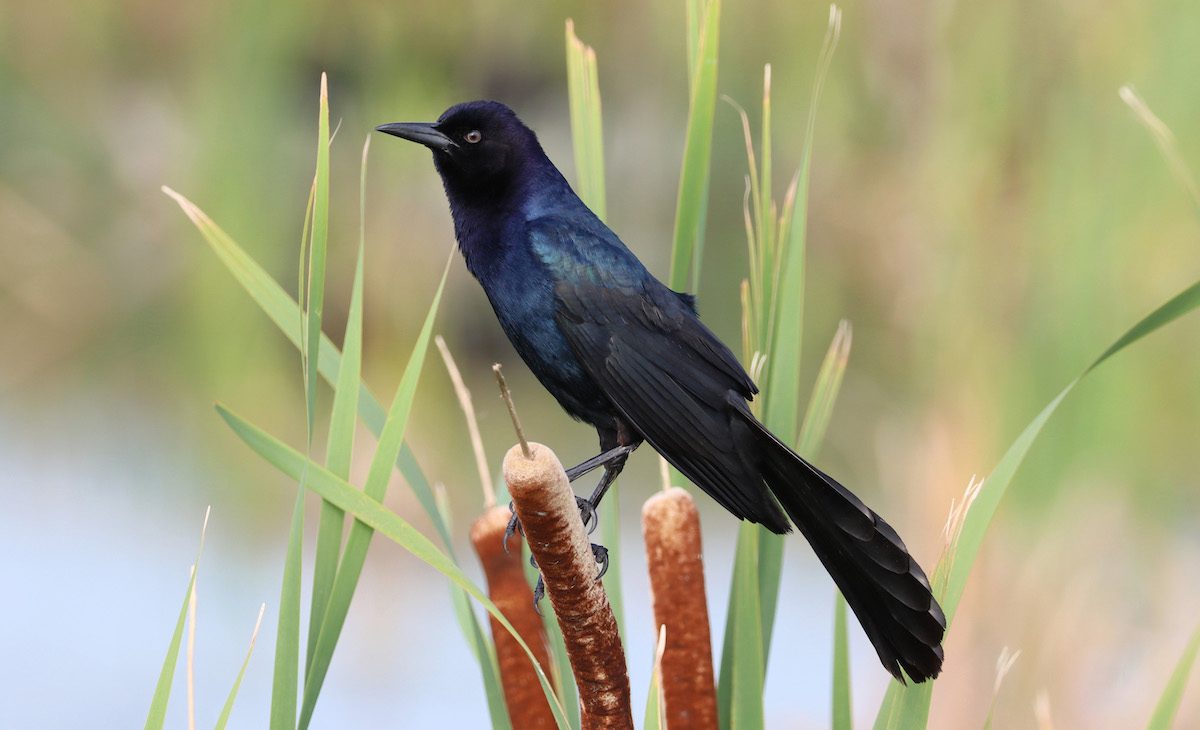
(468, 409)
(512, 410)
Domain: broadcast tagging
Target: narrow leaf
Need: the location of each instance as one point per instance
(747, 675)
(317, 249)
(340, 448)
(355, 554)
(285, 313)
(842, 719)
(691, 209)
(375, 515)
(1168, 703)
(654, 717)
(908, 706)
(287, 635)
(162, 691)
(227, 710)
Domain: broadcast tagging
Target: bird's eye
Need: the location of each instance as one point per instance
(473, 136)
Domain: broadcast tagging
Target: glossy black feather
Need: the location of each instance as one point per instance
(621, 351)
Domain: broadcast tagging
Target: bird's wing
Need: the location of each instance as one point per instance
(667, 374)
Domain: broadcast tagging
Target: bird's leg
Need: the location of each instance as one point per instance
(586, 506)
(599, 460)
(514, 525)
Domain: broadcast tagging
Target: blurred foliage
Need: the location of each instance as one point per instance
(983, 208)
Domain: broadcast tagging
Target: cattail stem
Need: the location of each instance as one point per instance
(527, 706)
(671, 528)
(550, 518)
(512, 409)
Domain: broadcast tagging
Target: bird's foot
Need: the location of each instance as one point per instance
(514, 526)
(539, 590)
(601, 554)
(587, 513)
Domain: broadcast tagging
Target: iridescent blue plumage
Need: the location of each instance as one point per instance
(621, 351)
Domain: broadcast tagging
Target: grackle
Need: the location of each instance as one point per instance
(626, 354)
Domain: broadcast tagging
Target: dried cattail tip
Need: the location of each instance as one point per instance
(550, 518)
(527, 706)
(671, 529)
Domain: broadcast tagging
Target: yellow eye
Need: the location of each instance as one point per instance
(473, 136)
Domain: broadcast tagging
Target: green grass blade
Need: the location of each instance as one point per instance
(286, 314)
(287, 635)
(653, 718)
(341, 434)
(317, 250)
(1168, 703)
(355, 554)
(740, 697)
(587, 136)
(691, 209)
(778, 316)
(485, 654)
(227, 710)
(908, 706)
(281, 309)
(842, 718)
(694, 16)
(157, 715)
(825, 391)
(375, 515)
(479, 642)
(781, 405)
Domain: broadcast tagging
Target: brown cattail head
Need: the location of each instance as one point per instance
(671, 528)
(550, 518)
(527, 706)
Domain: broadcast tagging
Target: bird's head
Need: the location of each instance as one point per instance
(477, 145)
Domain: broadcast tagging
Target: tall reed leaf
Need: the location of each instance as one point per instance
(1168, 703)
(691, 209)
(162, 691)
(340, 448)
(587, 136)
(227, 709)
(313, 254)
(654, 719)
(583, 93)
(286, 314)
(314, 302)
(842, 718)
(355, 554)
(773, 298)
(744, 707)
(287, 634)
(908, 706)
(377, 517)
(783, 322)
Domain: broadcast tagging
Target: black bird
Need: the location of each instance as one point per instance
(621, 351)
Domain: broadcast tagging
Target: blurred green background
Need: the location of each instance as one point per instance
(984, 209)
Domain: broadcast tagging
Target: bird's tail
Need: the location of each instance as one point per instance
(881, 582)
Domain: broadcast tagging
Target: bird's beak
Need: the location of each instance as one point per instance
(421, 132)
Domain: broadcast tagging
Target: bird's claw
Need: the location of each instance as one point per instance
(601, 554)
(514, 526)
(539, 590)
(587, 513)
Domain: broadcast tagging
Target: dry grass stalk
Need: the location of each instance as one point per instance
(671, 529)
(527, 706)
(546, 507)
